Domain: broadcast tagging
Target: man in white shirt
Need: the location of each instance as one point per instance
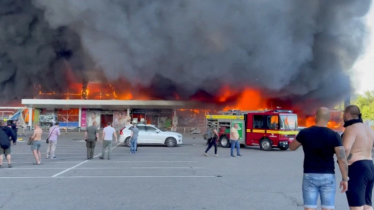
(108, 133)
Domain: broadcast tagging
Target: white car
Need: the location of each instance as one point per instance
(150, 134)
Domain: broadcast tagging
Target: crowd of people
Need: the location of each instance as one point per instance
(320, 143)
(353, 150)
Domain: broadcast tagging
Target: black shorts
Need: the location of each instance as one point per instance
(360, 184)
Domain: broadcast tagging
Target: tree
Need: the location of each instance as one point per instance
(366, 104)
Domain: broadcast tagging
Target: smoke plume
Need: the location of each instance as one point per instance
(290, 49)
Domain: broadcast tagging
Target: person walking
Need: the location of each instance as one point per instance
(212, 141)
(6, 136)
(234, 140)
(54, 132)
(320, 144)
(108, 133)
(91, 136)
(36, 144)
(134, 139)
(358, 140)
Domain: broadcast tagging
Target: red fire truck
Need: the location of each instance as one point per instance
(267, 129)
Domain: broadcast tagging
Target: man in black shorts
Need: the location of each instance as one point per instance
(358, 140)
(5, 143)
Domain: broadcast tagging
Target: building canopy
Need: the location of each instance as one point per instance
(51, 104)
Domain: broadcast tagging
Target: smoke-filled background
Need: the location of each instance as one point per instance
(292, 49)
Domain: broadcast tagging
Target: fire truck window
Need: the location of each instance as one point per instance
(288, 122)
(273, 122)
(258, 121)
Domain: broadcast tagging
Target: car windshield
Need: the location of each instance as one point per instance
(288, 122)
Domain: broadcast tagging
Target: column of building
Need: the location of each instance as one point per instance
(30, 119)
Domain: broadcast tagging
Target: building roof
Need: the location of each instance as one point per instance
(111, 104)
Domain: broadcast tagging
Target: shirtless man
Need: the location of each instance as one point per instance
(358, 142)
(36, 144)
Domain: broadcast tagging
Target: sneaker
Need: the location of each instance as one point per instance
(54, 158)
(232, 156)
(10, 166)
(239, 155)
(206, 155)
(215, 155)
(102, 158)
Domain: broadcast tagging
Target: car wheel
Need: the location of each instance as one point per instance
(224, 142)
(127, 142)
(265, 144)
(171, 142)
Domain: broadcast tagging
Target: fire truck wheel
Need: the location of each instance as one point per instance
(224, 141)
(127, 142)
(171, 142)
(265, 144)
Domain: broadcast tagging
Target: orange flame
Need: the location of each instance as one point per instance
(335, 123)
(226, 93)
(249, 99)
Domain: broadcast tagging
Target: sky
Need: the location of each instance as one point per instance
(364, 68)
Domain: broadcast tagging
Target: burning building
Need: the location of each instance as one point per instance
(241, 54)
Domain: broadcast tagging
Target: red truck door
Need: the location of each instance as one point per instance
(255, 129)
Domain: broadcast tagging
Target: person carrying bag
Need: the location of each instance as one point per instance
(52, 141)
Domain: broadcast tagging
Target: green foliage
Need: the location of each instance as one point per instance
(366, 104)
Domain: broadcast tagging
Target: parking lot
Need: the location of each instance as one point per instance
(156, 177)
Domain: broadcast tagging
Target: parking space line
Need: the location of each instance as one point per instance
(62, 172)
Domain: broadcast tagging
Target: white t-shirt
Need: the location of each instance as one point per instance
(109, 131)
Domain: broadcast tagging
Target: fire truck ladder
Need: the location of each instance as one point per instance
(238, 112)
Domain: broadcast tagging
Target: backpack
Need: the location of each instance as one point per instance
(4, 139)
(208, 135)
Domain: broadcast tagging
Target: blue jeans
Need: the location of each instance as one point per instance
(233, 145)
(319, 184)
(133, 145)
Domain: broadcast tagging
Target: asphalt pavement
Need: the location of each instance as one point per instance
(156, 178)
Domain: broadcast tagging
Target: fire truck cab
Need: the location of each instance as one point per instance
(268, 129)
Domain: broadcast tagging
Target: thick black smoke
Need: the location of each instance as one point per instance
(286, 48)
(32, 54)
